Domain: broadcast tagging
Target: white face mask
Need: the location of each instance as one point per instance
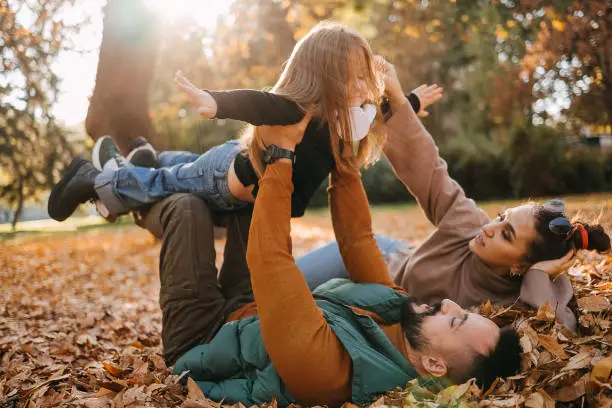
(361, 120)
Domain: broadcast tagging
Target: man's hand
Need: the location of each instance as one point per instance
(285, 137)
(555, 267)
(428, 95)
(393, 88)
(203, 102)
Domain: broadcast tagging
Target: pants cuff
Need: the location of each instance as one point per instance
(104, 188)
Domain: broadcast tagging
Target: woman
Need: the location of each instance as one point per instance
(468, 258)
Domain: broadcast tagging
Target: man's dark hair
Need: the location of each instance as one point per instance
(504, 360)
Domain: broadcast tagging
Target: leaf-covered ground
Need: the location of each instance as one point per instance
(80, 324)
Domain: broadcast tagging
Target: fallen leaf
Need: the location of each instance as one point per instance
(602, 370)
(190, 403)
(112, 369)
(545, 313)
(104, 392)
(550, 343)
(194, 391)
(487, 308)
(580, 360)
(573, 391)
(597, 303)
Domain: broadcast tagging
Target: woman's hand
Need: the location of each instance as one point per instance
(428, 95)
(555, 267)
(285, 137)
(393, 88)
(203, 102)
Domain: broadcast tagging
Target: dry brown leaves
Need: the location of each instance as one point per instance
(80, 326)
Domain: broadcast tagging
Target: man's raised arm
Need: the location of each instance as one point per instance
(303, 348)
(353, 228)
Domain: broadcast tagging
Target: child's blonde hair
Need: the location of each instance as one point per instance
(317, 74)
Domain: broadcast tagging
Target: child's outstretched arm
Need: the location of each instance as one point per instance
(255, 107)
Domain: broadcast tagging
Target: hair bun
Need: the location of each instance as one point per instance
(598, 239)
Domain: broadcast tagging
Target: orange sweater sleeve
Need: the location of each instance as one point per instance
(352, 224)
(312, 362)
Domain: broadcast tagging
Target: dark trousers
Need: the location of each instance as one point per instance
(194, 297)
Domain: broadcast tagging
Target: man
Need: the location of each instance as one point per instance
(359, 338)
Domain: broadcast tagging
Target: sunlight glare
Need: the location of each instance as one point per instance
(204, 14)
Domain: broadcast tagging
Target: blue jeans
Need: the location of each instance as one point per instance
(326, 263)
(203, 175)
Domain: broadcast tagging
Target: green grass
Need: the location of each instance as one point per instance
(80, 224)
(49, 227)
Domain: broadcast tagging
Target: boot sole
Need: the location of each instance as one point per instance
(95, 155)
(70, 171)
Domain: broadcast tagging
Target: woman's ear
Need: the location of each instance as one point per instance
(518, 269)
(434, 365)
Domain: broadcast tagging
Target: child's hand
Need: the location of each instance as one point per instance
(203, 102)
(428, 95)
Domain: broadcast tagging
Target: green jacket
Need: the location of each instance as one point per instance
(235, 366)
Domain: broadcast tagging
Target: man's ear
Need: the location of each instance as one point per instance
(434, 365)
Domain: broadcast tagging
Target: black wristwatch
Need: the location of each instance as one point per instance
(272, 153)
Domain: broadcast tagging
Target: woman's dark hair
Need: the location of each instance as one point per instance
(551, 244)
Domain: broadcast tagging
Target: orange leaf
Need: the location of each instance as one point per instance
(545, 313)
(105, 392)
(112, 369)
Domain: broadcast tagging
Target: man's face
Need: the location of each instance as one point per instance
(450, 334)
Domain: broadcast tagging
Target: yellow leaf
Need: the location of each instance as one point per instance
(319, 10)
(412, 31)
(194, 391)
(602, 370)
(500, 32)
(511, 23)
(558, 25)
(487, 308)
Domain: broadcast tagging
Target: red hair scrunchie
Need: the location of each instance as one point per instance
(584, 235)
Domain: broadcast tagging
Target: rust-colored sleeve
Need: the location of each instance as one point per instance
(312, 362)
(352, 223)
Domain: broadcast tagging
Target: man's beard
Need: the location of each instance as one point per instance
(412, 322)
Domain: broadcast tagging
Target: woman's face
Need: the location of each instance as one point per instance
(505, 240)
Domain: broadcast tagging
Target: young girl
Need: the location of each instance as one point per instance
(331, 71)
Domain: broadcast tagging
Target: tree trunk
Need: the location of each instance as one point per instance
(119, 104)
(19, 208)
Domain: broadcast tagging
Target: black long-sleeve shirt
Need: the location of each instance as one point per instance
(314, 158)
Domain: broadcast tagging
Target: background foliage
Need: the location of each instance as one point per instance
(523, 81)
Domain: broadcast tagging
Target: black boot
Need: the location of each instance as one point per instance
(75, 187)
(142, 154)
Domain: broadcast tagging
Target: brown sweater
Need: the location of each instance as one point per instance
(443, 265)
